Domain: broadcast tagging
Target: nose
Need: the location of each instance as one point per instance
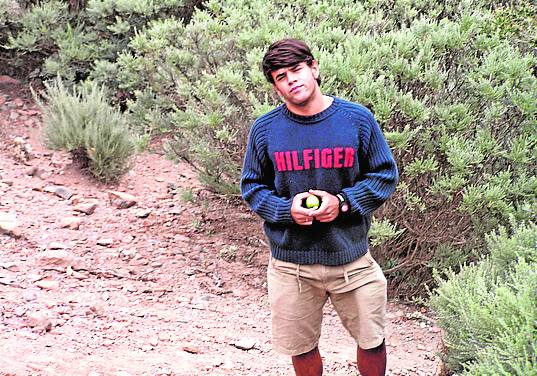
(291, 77)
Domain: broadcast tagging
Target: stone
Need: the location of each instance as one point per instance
(244, 344)
(11, 266)
(164, 336)
(13, 116)
(105, 242)
(9, 224)
(191, 349)
(121, 200)
(56, 257)
(29, 295)
(20, 311)
(6, 80)
(59, 191)
(87, 208)
(435, 329)
(48, 284)
(72, 223)
(142, 213)
(40, 320)
(18, 102)
(56, 245)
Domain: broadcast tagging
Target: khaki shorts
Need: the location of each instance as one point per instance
(298, 293)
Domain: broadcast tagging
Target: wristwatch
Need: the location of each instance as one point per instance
(343, 204)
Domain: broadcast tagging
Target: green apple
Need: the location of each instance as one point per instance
(312, 202)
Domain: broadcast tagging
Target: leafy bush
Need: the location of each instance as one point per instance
(76, 38)
(83, 123)
(452, 85)
(489, 309)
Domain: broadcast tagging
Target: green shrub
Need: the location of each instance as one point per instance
(83, 123)
(74, 41)
(452, 85)
(488, 311)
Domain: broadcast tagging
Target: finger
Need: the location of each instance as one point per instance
(302, 195)
(321, 210)
(318, 192)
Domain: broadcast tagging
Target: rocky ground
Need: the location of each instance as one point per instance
(150, 276)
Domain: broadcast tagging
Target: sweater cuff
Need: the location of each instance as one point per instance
(284, 212)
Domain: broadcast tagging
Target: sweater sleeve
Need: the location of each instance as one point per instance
(257, 180)
(379, 171)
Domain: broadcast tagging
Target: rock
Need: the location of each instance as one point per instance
(18, 102)
(9, 224)
(244, 344)
(97, 308)
(435, 329)
(142, 213)
(48, 284)
(105, 242)
(6, 80)
(22, 150)
(56, 257)
(8, 281)
(56, 245)
(164, 336)
(191, 349)
(31, 171)
(71, 222)
(29, 295)
(59, 191)
(86, 207)
(11, 266)
(20, 311)
(121, 200)
(40, 320)
(176, 210)
(228, 364)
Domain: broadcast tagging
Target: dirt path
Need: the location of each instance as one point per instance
(174, 285)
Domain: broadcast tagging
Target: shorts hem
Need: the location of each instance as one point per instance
(371, 344)
(299, 351)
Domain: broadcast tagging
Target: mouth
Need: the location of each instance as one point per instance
(295, 88)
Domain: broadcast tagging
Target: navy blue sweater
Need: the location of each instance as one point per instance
(340, 149)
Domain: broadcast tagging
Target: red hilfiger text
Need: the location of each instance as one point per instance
(296, 160)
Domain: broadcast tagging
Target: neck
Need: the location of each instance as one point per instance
(317, 103)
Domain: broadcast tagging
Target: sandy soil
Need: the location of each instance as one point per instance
(174, 285)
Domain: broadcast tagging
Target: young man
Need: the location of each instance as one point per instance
(335, 150)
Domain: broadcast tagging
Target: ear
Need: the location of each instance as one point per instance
(315, 69)
(277, 91)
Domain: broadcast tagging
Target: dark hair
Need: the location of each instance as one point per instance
(285, 53)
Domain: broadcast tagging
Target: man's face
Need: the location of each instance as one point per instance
(296, 84)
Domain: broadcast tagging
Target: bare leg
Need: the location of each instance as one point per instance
(308, 364)
(372, 362)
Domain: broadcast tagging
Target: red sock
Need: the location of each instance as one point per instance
(372, 362)
(308, 364)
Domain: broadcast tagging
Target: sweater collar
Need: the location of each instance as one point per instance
(312, 118)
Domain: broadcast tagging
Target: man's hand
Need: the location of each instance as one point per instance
(301, 215)
(329, 209)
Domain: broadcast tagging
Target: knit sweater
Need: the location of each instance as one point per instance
(340, 149)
